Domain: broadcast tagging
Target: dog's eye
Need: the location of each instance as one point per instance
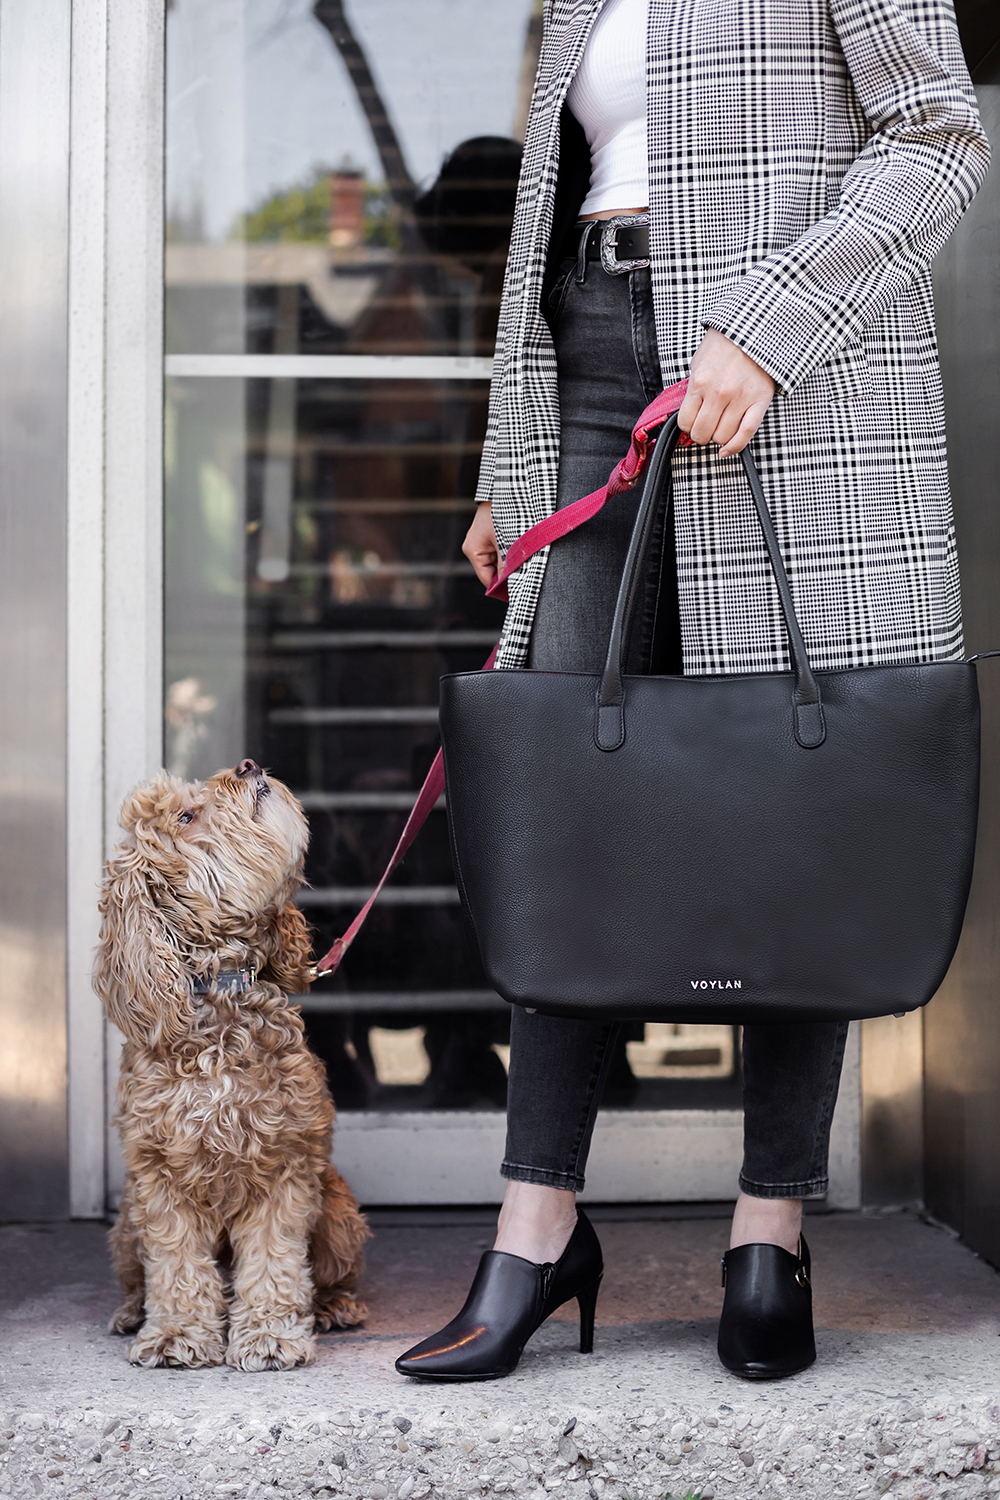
(186, 817)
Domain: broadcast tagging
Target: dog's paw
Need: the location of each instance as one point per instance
(266, 1349)
(338, 1310)
(129, 1316)
(184, 1349)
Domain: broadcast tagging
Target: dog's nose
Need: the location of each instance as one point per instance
(248, 768)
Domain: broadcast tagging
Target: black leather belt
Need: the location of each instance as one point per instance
(620, 244)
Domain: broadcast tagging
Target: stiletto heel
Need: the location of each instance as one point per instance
(587, 1300)
(509, 1299)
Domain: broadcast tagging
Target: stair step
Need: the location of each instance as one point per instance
(385, 570)
(393, 895)
(409, 715)
(390, 640)
(361, 801)
(344, 1000)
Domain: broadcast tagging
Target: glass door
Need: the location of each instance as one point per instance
(340, 185)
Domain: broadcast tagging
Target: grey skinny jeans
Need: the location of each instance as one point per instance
(608, 371)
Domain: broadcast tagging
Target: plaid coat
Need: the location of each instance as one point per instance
(807, 160)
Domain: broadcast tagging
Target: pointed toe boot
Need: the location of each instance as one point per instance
(766, 1330)
(509, 1299)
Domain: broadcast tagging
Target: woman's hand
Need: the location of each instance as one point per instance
(727, 395)
(480, 545)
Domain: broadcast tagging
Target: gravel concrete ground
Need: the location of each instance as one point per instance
(905, 1397)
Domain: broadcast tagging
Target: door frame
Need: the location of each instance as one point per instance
(115, 500)
(115, 672)
(638, 1156)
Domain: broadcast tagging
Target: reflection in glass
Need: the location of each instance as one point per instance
(340, 186)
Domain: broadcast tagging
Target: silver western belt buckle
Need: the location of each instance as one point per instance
(609, 242)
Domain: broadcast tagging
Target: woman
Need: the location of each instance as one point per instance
(749, 195)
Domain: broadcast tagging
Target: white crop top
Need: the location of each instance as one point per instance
(608, 97)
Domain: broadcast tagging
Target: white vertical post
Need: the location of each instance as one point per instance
(133, 387)
(134, 399)
(114, 561)
(85, 600)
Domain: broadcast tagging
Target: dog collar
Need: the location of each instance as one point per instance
(232, 981)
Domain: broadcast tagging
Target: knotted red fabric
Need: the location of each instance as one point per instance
(623, 477)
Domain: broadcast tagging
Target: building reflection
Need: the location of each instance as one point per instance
(316, 589)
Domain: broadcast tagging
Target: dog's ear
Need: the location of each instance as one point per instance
(286, 951)
(138, 971)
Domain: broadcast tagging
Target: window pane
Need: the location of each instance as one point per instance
(340, 185)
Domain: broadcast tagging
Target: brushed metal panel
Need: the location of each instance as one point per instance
(34, 164)
(961, 1030)
(892, 1130)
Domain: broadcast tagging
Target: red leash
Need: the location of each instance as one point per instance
(623, 477)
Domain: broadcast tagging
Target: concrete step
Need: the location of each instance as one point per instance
(904, 1398)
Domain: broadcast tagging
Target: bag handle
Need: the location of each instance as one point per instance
(809, 723)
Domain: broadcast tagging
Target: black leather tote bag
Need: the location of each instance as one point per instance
(789, 846)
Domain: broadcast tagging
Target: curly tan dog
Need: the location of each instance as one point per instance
(225, 1116)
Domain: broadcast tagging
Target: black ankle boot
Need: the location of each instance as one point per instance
(508, 1300)
(766, 1328)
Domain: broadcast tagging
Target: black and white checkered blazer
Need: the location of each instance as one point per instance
(807, 160)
